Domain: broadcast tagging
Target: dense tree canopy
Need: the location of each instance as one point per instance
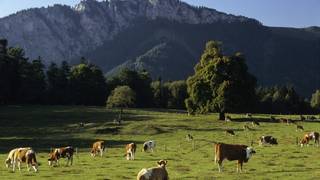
(87, 85)
(220, 83)
(122, 96)
(315, 101)
(139, 82)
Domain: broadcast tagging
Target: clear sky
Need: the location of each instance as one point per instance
(288, 13)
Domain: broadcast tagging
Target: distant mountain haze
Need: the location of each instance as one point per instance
(165, 37)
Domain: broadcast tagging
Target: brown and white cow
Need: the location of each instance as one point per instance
(310, 136)
(98, 147)
(64, 152)
(9, 160)
(241, 153)
(155, 173)
(130, 151)
(24, 155)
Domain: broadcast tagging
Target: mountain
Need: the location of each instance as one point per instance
(166, 37)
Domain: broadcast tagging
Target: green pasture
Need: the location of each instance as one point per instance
(44, 127)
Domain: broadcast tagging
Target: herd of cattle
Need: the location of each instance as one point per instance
(231, 152)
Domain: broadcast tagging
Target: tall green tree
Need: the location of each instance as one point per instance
(88, 86)
(138, 81)
(58, 90)
(121, 96)
(315, 100)
(220, 83)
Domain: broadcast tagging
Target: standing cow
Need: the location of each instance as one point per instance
(310, 136)
(64, 152)
(130, 151)
(149, 146)
(24, 155)
(98, 147)
(240, 153)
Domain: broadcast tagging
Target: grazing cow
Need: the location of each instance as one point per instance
(272, 118)
(287, 121)
(241, 153)
(248, 115)
(64, 152)
(24, 155)
(155, 173)
(228, 119)
(130, 151)
(310, 136)
(149, 146)
(230, 132)
(255, 123)
(268, 140)
(189, 137)
(117, 121)
(302, 118)
(98, 147)
(246, 127)
(9, 160)
(299, 127)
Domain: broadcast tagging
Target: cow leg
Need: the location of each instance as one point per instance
(239, 166)
(132, 155)
(71, 160)
(220, 166)
(28, 167)
(19, 165)
(13, 165)
(101, 152)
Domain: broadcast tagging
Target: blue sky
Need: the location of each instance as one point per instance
(288, 13)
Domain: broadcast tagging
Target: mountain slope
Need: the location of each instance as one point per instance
(166, 37)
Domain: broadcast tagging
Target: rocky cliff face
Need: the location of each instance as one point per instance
(61, 32)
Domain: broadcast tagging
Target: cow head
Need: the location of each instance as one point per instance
(274, 141)
(145, 147)
(162, 163)
(249, 152)
(8, 162)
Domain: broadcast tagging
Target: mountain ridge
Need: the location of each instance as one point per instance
(128, 33)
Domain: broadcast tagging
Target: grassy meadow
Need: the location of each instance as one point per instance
(43, 127)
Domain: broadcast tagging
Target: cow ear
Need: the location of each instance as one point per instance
(166, 162)
(159, 163)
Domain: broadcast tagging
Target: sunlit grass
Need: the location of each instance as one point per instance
(53, 126)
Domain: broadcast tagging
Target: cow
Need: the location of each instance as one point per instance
(230, 132)
(299, 127)
(267, 140)
(155, 173)
(130, 151)
(9, 160)
(24, 155)
(246, 127)
(228, 119)
(149, 146)
(63, 152)
(255, 123)
(310, 136)
(98, 147)
(248, 115)
(189, 137)
(241, 153)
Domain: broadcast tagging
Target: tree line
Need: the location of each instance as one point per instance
(221, 83)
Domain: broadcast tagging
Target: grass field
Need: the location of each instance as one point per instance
(55, 126)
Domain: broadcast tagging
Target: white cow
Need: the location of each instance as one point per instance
(149, 146)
